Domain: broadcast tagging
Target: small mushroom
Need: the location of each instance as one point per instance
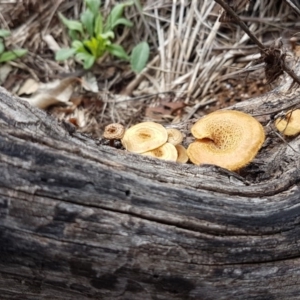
(182, 154)
(144, 137)
(229, 139)
(114, 131)
(175, 136)
(166, 152)
(290, 125)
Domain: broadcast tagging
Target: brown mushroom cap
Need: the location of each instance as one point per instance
(229, 139)
(175, 136)
(290, 125)
(182, 154)
(144, 137)
(166, 152)
(114, 131)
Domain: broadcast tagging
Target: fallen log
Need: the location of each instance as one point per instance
(79, 220)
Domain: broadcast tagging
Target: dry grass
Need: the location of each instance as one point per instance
(195, 59)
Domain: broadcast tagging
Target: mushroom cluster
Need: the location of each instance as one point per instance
(290, 124)
(153, 139)
(229, 139)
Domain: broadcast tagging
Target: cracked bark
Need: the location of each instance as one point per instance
(82, 221)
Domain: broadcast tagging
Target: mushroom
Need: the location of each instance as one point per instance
(290, 125)
(114, 131)
(144, 137)
(175, 136)
(166, 152)
(182, 154)
(227, 138)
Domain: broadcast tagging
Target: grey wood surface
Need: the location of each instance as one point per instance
(79, 220)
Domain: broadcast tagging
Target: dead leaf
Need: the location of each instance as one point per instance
(76, 100)
(174, 106)
(57, 92)
(74, 121)
(89, 83)
(297, 51)
(4, 72)
(156, 113)
(165, 109)
(29, 87)
(51, 42)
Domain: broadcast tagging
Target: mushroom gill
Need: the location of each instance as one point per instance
(229, 139)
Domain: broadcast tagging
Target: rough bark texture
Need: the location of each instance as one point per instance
(83, 221)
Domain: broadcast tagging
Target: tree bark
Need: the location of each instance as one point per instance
(79, 220)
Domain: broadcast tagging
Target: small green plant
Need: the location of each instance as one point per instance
(92, 37)
(6, 56)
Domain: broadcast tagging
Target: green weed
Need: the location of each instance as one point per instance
(93, 36)
(6, 56)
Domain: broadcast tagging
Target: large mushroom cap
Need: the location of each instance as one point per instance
(229, 139)
(166, 152)
(144, 137)
(290, 125)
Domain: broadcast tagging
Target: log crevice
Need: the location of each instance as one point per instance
(83, 220)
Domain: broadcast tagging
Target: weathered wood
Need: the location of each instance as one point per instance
(83, 221)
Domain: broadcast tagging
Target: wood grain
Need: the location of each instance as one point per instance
(83, 221)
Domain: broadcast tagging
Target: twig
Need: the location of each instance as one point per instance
(291, 73)
(232, 13)
(263, 48)
(293, 6)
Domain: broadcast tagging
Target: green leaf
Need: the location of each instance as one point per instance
(4, 33)
(77, 45)
(11, 55)
(107, 35)
(71, 24)
(88, 59)
(139, 57)
(73, 34)
(19, 52)
(98, 24)
(64, 53)
(115, 14)
(87, 19)
(92, 44)
(97, 46)
(123, 21)
(117, 51)
(89, 62)
(138, 4)
(1, 47)
(93, 5)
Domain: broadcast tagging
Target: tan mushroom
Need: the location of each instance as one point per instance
(114, 131)
(229, 139)
(175, 136)
(290, 125)
(144, 137)
(166, 152)
(182, 154)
